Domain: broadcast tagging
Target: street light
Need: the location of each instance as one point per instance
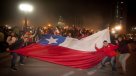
(26, 8)
(118, 27)
(49, 25)
(44, 27)
(113, 31)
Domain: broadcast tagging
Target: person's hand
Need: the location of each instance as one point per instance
(96, 47)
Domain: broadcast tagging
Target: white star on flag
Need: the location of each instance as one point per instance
(52, 40)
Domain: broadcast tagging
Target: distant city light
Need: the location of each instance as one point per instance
(92, 30)
(113, 31)
(9, 27)
(118, 27)
(6, 25)
(31, 31)
(122, 2)
(135, 28)
(26, 7)
(45, 27)
(49, 25)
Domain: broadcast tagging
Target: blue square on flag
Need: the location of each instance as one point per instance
(52, 39)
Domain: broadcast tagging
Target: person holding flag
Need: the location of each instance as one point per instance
(14, 43)
(109, 51)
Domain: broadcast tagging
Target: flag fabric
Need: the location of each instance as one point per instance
(68, 51)
(85, 44)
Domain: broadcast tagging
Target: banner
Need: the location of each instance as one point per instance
(68, 51)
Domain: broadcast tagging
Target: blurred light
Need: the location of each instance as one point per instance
(113, 31)
(134, 28)
(30, 27)
(26, 7)
(92, 30)
(45, 27)
(122, 2)
(131, 38)
(31, 31)
(6, 25)
(9, 27)
(49, 25)
(118, 27)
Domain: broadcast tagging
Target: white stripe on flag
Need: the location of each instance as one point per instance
(87, 43)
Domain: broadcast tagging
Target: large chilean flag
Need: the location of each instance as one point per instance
(68, 51)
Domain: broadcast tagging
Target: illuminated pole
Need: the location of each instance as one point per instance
(25, 21)
(26, 8)
(117, 12)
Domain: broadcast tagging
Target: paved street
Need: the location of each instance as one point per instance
(34, 67)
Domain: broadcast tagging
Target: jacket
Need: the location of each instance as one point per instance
(109, 50)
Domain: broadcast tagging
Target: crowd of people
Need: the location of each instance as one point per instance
(12, 41)
(67, 31)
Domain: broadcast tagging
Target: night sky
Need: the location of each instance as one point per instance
(85, 12)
